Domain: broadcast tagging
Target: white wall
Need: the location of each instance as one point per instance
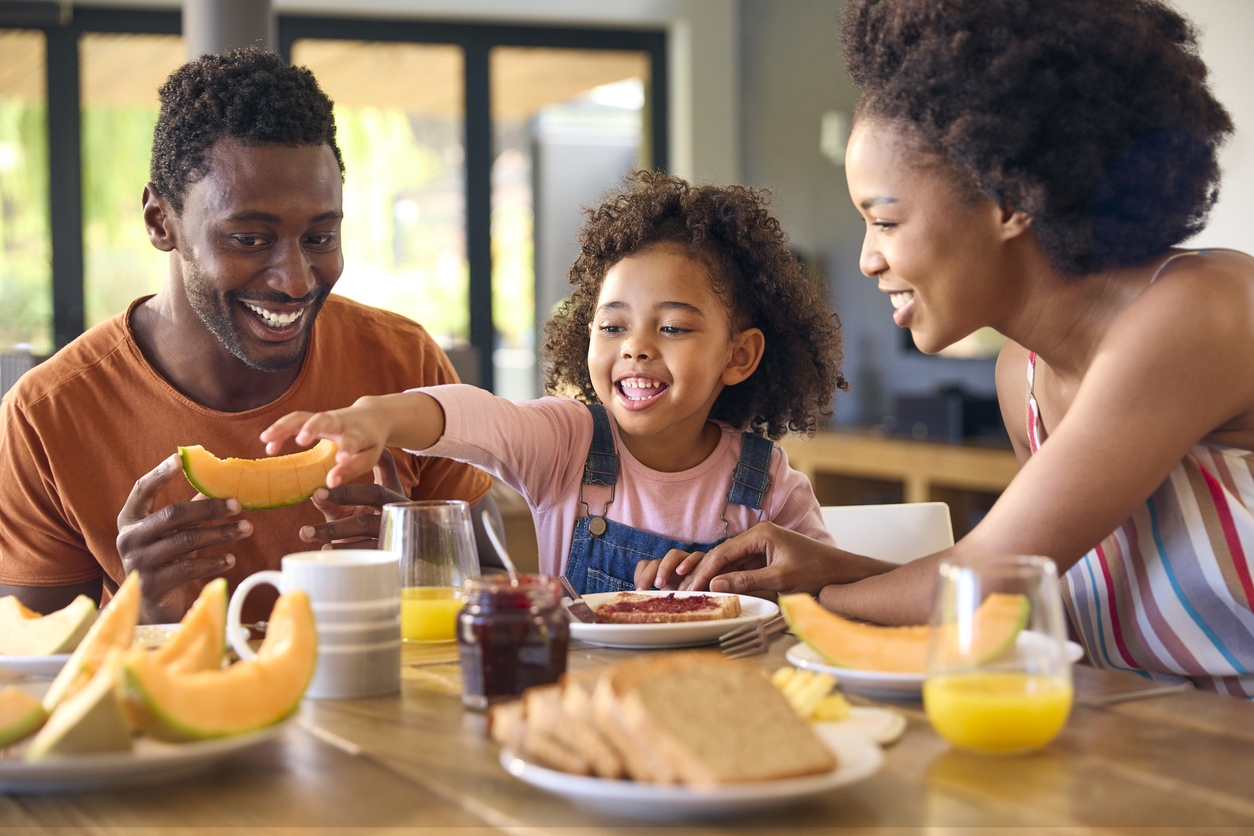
(1227, 26)
(704, 61)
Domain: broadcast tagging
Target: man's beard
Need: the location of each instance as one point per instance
(217, 313)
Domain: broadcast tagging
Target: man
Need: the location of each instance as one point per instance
(246, 196)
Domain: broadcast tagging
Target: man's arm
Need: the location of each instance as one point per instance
(46, 599)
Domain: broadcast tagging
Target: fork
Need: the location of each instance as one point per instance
(749, 639)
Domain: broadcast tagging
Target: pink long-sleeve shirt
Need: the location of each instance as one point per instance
(538, 448)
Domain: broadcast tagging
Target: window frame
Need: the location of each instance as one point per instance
(62, 26)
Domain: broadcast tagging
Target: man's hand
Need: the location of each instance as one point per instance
(163, 545)
(353, 512)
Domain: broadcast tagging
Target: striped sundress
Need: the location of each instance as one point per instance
(1170, 594)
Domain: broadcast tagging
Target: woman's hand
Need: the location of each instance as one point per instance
(770, 558)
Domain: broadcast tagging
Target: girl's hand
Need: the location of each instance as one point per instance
(358, 430)
(669, 572)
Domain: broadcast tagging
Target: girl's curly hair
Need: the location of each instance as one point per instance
(751, 269)
(1092, 116)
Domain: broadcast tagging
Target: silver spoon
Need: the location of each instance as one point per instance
(500, 548)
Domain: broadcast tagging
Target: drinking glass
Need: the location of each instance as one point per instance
(998, 678)
(435, 546)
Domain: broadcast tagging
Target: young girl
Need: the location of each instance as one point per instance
(692, 336)
(1032, 166)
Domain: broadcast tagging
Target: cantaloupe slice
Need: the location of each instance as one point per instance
(246, 696)
(24, 632)
(88, 721)
(260, 483)
(200, 642)
(869, 647)
(20, 715)
(114, 627)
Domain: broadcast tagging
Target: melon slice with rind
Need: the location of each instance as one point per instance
(114, 628)
(870, 647)
(200, 641)
(88, 721)
(260, 483)
(24, 632)
(247, 696)
(20, 715)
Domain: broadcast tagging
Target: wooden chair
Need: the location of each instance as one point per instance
(897, 533)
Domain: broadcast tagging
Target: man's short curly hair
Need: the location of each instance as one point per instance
(763, 284)
(249, 95)
(1092, 116)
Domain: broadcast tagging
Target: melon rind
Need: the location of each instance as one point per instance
(24, 632)
(88, 721)
(858, 646)
(247, 696)
(200, 642)
(20, 715)
(114, 628)
(252, 481)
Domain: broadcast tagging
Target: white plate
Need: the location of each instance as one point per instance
(857, 755)
(47, 667)
(679, 634)
(150, 762)
(887, 685)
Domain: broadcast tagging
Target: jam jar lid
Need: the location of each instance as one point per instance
(499, 593)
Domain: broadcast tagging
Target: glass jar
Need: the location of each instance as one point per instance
(510, 637)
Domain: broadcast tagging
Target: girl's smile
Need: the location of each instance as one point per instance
(661, 350)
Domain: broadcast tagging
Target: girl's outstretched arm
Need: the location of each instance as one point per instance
(411, 420)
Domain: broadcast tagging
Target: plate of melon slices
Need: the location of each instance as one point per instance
(885, 684)
(47, 666)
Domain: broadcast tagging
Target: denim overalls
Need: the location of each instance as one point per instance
(604, 554)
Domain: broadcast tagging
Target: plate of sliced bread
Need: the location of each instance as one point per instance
(648, 619)
(682, 735)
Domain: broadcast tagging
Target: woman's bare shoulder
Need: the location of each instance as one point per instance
(1012, 395)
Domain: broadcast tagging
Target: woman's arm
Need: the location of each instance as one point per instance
(1172, 370)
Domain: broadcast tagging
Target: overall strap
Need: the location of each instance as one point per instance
(601, 466)
(752, 477)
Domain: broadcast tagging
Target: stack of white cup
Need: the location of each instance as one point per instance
(356, 600)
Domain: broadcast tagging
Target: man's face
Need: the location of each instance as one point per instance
(259, 244)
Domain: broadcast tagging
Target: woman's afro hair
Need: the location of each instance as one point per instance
(249, 95)
(729, 229)
(1092, 116)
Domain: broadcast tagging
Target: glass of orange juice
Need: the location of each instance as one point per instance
(998, 678)
(435, 548)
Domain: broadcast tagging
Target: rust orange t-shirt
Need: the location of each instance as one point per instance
(80, 429)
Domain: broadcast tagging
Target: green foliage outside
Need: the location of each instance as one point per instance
(25, 240)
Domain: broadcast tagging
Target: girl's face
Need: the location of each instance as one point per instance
(942, 259)
(661, 347)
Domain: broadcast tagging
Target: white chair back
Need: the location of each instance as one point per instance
(897, 533)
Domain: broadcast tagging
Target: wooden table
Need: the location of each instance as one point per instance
(418, 760)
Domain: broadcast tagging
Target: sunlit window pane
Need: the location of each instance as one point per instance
(119, 78)
(25, 265)
(399, 120)
(567, 125)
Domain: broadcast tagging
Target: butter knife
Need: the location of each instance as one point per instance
(578, 606)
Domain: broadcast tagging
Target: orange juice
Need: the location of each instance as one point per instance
(429, 613)
(997, 712)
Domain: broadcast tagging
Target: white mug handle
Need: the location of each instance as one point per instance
(238, 635)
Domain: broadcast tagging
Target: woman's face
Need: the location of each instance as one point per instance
(940, 257)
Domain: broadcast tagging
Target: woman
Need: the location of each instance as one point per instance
(1032, 166)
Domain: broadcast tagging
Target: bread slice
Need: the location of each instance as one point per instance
(580, 730)
(700, 719)
(526, 727)
(652, 608)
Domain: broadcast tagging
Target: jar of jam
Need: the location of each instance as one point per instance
(510, 637)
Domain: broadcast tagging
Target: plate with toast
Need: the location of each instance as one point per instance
(661, 619)
(686, 734)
